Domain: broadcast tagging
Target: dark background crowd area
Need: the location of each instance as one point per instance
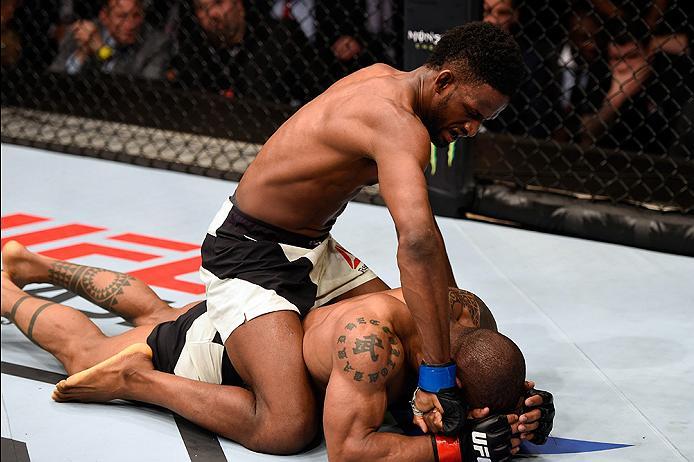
(608, 73)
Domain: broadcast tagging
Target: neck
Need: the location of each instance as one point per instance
(422, 98)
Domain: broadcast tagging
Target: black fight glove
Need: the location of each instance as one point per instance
(546, 422)
(488, 438)
(454, 411)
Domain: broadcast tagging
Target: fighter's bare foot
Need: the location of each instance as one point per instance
(105, 381)
(22, 266)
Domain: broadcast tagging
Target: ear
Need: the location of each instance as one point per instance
(458, 382)
(443, 80)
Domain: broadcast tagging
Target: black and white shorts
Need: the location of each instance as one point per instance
(191, 347)
(251, 268)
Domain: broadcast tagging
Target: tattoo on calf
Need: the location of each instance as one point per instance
(32, 322)
(15, 307)
(82, 280)
(370, 344)
(30, 329)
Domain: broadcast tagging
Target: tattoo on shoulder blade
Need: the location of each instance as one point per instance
(83, 281)
(374, 344)
(467, 301)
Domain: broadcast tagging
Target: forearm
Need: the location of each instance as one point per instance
(386, 447)
(449, 269)
(214, 407)
(424, 278)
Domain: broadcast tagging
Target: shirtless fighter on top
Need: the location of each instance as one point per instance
(268, 258)
(362, 355)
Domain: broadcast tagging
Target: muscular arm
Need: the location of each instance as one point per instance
(351, 419)
(401, 155)
(356, 396)
(449, 269)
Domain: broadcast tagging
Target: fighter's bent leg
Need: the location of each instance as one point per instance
(64, 332)
(116, 292)
(280, 414)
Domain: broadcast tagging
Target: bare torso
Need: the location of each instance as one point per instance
(320, 158)
(323, 327)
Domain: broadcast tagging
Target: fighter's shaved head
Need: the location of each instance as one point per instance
(491, 368)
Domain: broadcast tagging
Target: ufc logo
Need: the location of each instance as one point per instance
(479, 444)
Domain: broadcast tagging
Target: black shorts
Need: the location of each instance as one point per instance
(251, 268)
(168, 340)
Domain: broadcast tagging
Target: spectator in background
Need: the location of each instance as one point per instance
(11, 41)
(117, 42)
(533, 109)
(501, 13)
(584, 73)
(27, 47)
(300, 11)
(352, 34)
(650, 85)
(224, 48)
(26, 44)
(651, 12)
(160, 14)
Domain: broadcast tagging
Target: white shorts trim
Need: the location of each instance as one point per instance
(232, 302)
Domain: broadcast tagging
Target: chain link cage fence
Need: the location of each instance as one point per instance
(605, 115)
(606, 111)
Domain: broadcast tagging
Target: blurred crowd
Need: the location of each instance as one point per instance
(266, 50)
(613, 73)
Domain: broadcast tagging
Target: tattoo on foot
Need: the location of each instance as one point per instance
(82, 280)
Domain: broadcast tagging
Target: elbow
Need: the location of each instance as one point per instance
(419, 244)
(346, 453)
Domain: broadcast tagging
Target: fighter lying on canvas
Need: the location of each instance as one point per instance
(362, 354)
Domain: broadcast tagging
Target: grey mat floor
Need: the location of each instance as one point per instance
(608, 329)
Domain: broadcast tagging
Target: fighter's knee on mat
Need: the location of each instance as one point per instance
(284, 434)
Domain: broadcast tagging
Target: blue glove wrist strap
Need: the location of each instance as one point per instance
(433, 378)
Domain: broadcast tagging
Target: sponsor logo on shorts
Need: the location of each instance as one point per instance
(351, 260)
